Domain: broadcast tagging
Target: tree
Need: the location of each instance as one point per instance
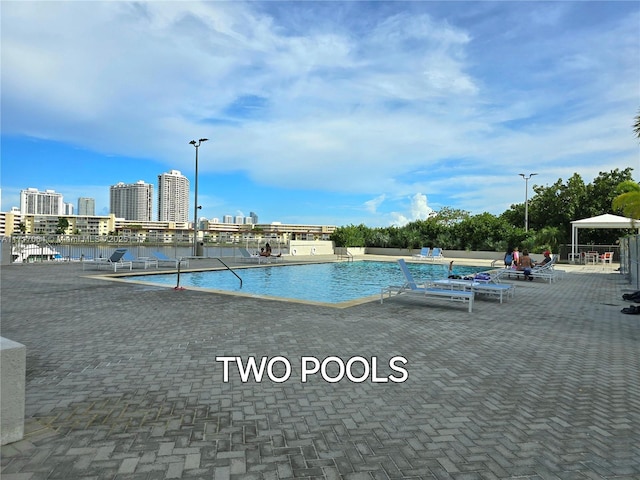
(628, 199)
(561, 203)
(349, 236)
(636, 126)
(481, 232)
(449, 216)
(557, 205)
(549, 237)
(63, 224)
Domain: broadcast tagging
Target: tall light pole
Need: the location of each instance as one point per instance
(526, 199)
(196, 207)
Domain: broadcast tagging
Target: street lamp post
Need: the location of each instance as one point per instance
(196, 207)
(526, 199)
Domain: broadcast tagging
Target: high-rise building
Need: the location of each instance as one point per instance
(132, 201)
(227, 219)
(68, 208)
(34, 202)
(238, 220)
(87, 206)
(173, 197)
(254, 217)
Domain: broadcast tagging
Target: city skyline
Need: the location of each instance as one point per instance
(318, 113)
(86, 205)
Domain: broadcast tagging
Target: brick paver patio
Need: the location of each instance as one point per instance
(123, 383)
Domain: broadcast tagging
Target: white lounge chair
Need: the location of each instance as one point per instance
(115, 261)
(252, 257)
(499, 290)
(423, 255)
(436, 254)
(145, 262)
(412, 287)
(544, 272)
(163, 259)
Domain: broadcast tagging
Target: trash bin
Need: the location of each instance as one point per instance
(199, 249)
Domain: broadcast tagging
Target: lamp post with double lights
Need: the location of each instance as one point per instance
(196, 207)
(526, 199)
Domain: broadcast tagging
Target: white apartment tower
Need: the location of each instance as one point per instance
(132, 201)
(34, 202)
(87, 206)
(173, 197)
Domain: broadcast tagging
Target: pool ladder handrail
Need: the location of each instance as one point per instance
(346, 254)
(230, 269)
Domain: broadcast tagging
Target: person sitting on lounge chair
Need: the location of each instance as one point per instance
(525, 265)
(545, 260)
(266, 251)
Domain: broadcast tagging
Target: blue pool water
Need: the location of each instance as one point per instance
(325, 282)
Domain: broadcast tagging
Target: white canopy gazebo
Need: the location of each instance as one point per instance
(601, 221)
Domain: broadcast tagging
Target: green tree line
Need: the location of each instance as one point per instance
(551, 211)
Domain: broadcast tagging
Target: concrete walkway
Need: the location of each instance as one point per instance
(123, 382)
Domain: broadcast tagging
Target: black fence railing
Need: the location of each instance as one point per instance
(41, 248)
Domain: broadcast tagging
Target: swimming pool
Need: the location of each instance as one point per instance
(333, 283)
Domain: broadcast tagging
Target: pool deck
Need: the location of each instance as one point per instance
(123, 383)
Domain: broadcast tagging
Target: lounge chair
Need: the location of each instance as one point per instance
(499, 290)
(423, 255)
(436, 254)
(544, 272)
(115, 261)
(145, 262)
(163, 259)
(412, 287)
(252, 257)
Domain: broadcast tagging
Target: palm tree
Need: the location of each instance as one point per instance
(628, 199)
(636, 126)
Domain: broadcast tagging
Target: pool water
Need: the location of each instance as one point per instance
(325, 282)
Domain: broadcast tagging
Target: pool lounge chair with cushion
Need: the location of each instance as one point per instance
(145, 262)
(115, 261)
(253, 257)
(499, 290)
(163, 259)
(423, 255)
(413, 288)
(544, 272)
(436, 254)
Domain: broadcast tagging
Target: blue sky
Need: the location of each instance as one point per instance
(318, 112)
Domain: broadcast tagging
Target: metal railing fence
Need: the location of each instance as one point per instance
(36, 248)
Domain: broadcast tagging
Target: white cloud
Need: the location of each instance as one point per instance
(416, 102)
(373, 204)
(418, 209)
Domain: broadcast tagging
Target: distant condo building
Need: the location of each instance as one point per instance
(133, 201)
(173, 197)
(86, 206)
(34, 202)
(68, 208)
(254, 217)
(227, 219)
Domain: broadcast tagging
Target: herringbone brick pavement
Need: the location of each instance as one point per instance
(123, 383)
